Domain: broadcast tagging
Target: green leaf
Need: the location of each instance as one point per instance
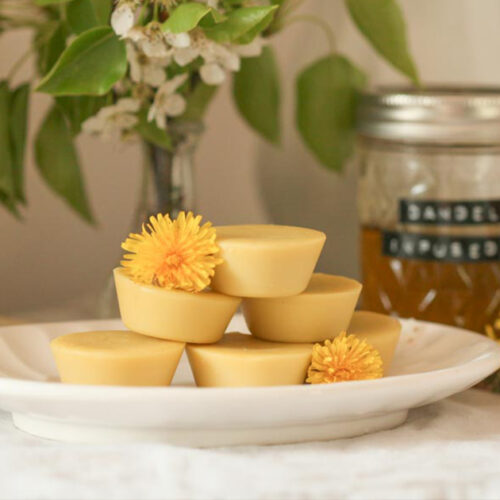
(7, 180)
(241, 22)
(102, 9)
(9, 204)
(50, 2)
(382, 23)
(58, 164)
(52, 42)
(6, 161)
(151, 133)
(77, 109)
(256, 30)
(91, 65)
(197, 102)
(83, 15)
(185, 17)
(326, 108)
(18, 119)
(256, 90)
(215, 17)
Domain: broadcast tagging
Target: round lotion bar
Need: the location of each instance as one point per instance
(115, 358)
(321, 312)
(266, 260)
(379, 330)
(240, 360)
(173, 314)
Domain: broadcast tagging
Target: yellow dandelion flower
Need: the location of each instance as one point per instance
(492, 331)
(178, 253)
(342, 359)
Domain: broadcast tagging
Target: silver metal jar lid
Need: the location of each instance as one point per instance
(434, 115)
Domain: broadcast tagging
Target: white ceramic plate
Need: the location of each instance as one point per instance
(431, 363)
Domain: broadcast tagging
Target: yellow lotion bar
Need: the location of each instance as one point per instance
(321, 312)
(379, 330)
(266, 260)
(115, 358)
(173, 314)
(240, 360)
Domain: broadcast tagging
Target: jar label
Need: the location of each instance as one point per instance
(407, 245)
(449, 213)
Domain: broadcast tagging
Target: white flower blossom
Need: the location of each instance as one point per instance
(145, 69)
(167, 102)
(252, 49)
(178, 40)
(113, 120)
(212, 74)
(150, 40)
(153, 42)
(217, 58)
(185, 56)
(123, 17)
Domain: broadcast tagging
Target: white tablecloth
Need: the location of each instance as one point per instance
(448, 450)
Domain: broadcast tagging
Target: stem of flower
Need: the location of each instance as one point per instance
(143, 13)
(156, 10)
(309, 18)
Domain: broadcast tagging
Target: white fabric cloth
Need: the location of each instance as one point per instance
(448, 450)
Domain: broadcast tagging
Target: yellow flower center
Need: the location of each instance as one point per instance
(172, 260)
(343, 359)
(176, 253)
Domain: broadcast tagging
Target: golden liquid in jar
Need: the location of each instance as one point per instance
(461, 294)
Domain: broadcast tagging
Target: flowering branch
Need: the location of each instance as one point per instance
(135, 68)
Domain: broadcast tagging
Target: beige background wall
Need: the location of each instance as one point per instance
(53, 256)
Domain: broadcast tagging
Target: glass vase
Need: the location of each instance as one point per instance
(167, 187)
(167, 184)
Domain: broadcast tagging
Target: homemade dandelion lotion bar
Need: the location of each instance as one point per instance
(173, 314)
(240, 360)
(181, 282)
(379, 330)
(266, 260)
(115, 358)
(321, 312)
(162, 286)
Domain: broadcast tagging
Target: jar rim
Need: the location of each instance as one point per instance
(439, 114)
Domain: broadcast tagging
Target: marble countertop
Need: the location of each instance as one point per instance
(448, 450)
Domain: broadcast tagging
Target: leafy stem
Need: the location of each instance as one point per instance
(143, 14)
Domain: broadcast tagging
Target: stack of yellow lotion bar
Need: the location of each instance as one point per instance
(268, 269)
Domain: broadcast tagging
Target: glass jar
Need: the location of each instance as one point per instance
(429, 204)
